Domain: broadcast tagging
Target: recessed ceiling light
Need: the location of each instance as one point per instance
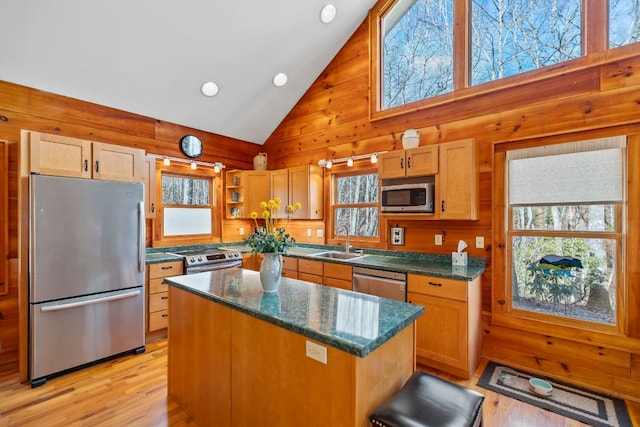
(210, 89)
(280, 79)
(328, 14)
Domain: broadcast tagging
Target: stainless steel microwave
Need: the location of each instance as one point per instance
(408, 198)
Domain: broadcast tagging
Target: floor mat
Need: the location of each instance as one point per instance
(573, 402)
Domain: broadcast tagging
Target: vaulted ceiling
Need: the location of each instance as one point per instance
(152, 57)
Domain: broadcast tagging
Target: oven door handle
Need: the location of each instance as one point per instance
(214, 267)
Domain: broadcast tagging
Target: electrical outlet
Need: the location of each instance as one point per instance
(439, 239)
(241, 231)
(479, 242)
(317, 352)
(320, 232)
(308, 232)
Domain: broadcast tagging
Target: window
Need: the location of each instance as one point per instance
(355, 203)
(565, 233)
(512, 37)
(624, 22)
(417, 59)
(187, 205)
(427, 52)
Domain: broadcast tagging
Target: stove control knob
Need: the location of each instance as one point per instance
(192, 259)
(199, 258)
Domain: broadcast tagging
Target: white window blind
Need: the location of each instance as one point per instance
(576, 173)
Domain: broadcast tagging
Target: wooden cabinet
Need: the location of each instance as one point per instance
(244, 192)
(338, 276)
(77, 158)
(418, 161)
(290, 267)
(310, 271)
(150, 186)
(326, 273)
(280, 185)
(457, 182)
(448, 335)
(158, 295)
(305, 186)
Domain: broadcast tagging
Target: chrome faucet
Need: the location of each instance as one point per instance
(346, 229)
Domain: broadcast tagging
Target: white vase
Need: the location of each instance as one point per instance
(411, 138)
(271, 272)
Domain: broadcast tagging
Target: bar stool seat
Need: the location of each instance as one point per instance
(429, 401)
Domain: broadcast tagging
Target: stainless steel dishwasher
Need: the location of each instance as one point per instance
(381, 283)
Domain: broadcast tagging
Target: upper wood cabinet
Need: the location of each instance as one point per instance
(245, 189)
(305, 186)
(457, 181)
(78, 158)
(280, 185)
(418, 161)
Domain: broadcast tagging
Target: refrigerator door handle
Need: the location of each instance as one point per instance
(89, 302)
(141, 242)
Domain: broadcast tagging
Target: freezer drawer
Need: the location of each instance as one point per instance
(72, 332)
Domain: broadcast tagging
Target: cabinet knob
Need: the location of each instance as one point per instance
(409, 162)
(86, 165)
(401, 163)
(153, 207)
(442, 206)
(434, 284)
(164, 297)
(97, 166)
(167, 267)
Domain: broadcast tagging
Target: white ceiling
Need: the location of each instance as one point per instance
(151, 57)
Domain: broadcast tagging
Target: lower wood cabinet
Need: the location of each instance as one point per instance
(448, 335)
(326, 273)
(289, 267)
(158, 297)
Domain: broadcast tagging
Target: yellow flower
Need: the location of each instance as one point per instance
(263, 205)
(277, 200)
(265, 214)
(298, 205)
(273, 238)
(254, 214)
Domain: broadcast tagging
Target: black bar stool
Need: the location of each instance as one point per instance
(429, 401)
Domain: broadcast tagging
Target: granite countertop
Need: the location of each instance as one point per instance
(403, 262)
(353, 322)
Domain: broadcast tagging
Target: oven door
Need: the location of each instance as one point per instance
(214, 266)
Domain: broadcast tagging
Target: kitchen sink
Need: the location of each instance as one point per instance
(338, 255)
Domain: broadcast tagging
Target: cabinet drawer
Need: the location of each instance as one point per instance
(158, 302)
(292, 274)
(438, 287)
(156, 285)
(165, 269)
(338, 271)
(289, 263)
(338, 283)
(158, 320)
(310, 267)
(312, 278)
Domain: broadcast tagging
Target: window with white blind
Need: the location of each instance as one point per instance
(187, 205)
(565, 231)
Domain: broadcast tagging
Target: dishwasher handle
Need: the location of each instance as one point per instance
(372, 272)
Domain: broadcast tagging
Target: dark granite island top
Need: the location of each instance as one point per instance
(349, 321)
(307, 355)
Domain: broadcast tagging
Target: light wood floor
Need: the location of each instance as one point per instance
(132, 391)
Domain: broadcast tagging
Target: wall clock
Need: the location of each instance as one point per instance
(191, 146)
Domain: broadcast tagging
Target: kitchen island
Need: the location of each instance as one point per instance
(307, 355)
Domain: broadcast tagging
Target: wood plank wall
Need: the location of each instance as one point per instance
(332, 121)
(26, 108)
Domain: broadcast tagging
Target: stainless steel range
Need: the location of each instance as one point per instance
(199, 261)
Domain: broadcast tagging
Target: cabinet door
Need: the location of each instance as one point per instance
(280, 185)
(306, 186)
(441, 332)
(458, 180)
(422, 161)
(150, 186)
(117, 163)
(391, 164)
(257, 188)
(59, 155)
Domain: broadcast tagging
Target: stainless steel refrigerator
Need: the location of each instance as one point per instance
(86, 272)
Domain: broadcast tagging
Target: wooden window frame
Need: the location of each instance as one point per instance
(595, 51)
(177, 169)
(334, 174)
(628, 280)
